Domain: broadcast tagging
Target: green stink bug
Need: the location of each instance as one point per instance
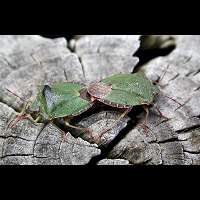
(59, 100)
(125, 91)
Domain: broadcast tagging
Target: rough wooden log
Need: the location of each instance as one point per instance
(27, 143)
(175, 141)
(28, 61)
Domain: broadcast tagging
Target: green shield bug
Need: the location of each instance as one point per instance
(59, 100)
(125, 91)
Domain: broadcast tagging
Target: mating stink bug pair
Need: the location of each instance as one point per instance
(69, 99)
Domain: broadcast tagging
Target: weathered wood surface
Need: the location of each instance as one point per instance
(29, 61)
(177, 140)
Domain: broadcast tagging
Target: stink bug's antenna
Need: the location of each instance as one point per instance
(16, 95)
(163, 75)
(172, 99)
(65, 74)
(22, 115)
(160, 79)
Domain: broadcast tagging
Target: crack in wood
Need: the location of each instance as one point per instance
(198, 88)
(192, 152)
(185, 130)
(15, 137)
(198, 71)
(16, 155)
(35, 141)
(106, 150)
(123, 132)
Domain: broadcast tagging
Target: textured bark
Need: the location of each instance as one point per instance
(29, 61)
(176, 141)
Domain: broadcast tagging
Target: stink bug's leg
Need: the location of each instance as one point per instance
(13, 122)
(21, 116)
(35, 121)
(172, 99)
(147, 113)
(146, 118)
(75, 127)
(162, 116)
(64, 137)
(24, 108)
(114, 124)
(160, 113)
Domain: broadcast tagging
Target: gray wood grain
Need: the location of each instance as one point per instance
(29, 61)
(176, 141)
